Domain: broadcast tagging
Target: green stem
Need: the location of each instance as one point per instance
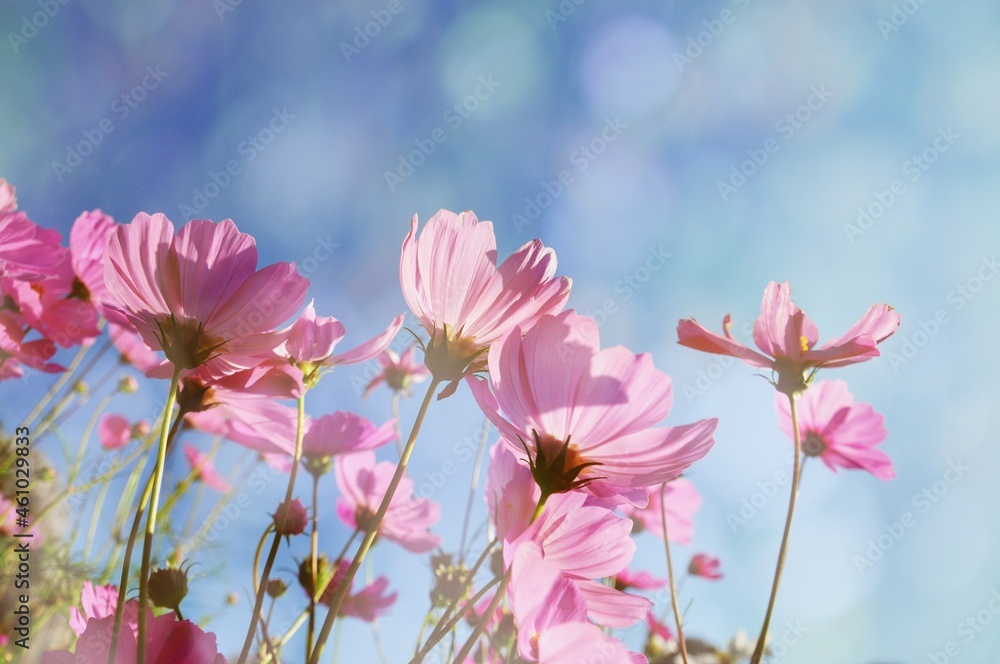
(796, 472)
(372, 531)
(473, 486)
(259, 602)
(314, 565)
(670, 576)
(154, 503)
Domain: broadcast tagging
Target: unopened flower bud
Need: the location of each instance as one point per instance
(141, 429)
(276, 587)
(291, 518)
(127, 384)
(168, 587)
(232, 599)
(80, 387)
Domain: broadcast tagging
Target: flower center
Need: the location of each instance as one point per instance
(557, 465)
(813, 445)
(185, 343)
(448, 355)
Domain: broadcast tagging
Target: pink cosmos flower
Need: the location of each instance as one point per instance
(16, 353)
(551, 615)
(49, 304)
(705, 566)
(787, 339)
(399, 372)
(88, 245)
(363, 484)
(583, 416)
(8, 197)
(204, 469)
(658, 628)
(133, 350)
(837, 430)
(114, 431)
(627, 579)
(198, 295)
(341, 433)
(100, 602)
(291, 518)
(8, 523)
(465, 302)
(168, 641)
(368, 604)
(27, 251)
(681, 499)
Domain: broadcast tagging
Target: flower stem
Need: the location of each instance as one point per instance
(276, 542)
(796, 472)
(481, 625)
(154, 501)
(314, 566)
(670, 576)
(366, 543)
(473, 486)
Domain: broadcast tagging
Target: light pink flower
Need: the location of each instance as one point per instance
(583, 416)
(551, 615)
(363, 484)
(133, 350)
(399, 372)
(787, 339)
(340, 433)
(114, 431)
(368, 604)
(627, 579)
(198, 295)
(658, 628)
(16, 353)
(168, 641)
(100, 602)
(8, 197)
(88, 245)
(837, 430)
(705, 566)
(204, 469)
(451, 282)
(8, 523)
(681, 499)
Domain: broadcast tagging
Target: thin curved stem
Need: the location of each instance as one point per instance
(473, 486)
(366, 543)
(758, 652)
(670, 576)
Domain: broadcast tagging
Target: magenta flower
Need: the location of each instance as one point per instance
(114, 431)
(363, 484)
(465, 302)
(583, 416)
(787, 339)
(837, 430)
(705, 566)
(27, 251)
(368, 604)
(399, 372)
(658, 628)
(627, 579)
(204, 469)
(341, 433)
(88, 245)
(133, 350)
(168, 641)
(16, 353)
(290, 518)
(100, 602)
(198, 295)
(681, 499)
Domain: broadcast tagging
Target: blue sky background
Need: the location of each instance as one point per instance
(743, 139)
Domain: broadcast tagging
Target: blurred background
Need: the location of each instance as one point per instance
(677, 156)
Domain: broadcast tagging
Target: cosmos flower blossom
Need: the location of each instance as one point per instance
(841, 432)
(787, 339)
(681, 500)
(368, 604)
(399, 372)
(114, 431)
(204, 469)
(340, 433)
(100, 602)
(199, 296)
(363, 484)
(451, 282)
(16, 352)
(705, 566)
(583, 417)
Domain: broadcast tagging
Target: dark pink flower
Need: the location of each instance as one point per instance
(368, 604)
(837, 430)
(658, 628)
(583, 416)
(100, 602)
(787, 339)
(451, 282)
(705, 566)
(199, 296)
(681, 499)
(88, 245)
(363, 484)
(399, 372)
(627, 580)
(204, 469)
(27, 251)
(291, 518)
(341, 433)
(16, 353)
(114, 431)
